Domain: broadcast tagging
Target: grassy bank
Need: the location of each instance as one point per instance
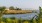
(12, 20)
(17, 11)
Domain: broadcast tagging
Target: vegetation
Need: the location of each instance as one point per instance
(8, 20)
(40, 16)
(2, 9)
(12, 8)
(14, 20)
(18, 8)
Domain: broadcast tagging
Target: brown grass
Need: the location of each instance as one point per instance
(18, 11)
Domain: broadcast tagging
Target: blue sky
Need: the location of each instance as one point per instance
(24, 4)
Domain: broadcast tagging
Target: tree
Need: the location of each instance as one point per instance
(2, 9)
(39, 14)
(38, 20)
(18, 8)
(11, 8)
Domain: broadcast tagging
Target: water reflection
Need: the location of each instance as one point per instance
(23, 16)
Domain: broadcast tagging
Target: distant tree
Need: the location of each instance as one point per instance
(11, 8)
(18, 8)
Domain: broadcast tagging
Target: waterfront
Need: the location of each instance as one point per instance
(23, 16)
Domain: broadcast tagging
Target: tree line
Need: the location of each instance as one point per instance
(11, 8)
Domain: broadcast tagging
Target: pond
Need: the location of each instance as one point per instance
(23, 16)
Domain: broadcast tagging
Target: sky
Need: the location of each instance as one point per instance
(23, 4)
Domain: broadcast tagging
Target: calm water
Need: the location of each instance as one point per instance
(23, 16)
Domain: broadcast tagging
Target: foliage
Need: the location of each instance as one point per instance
(2, 9)
(12, 18)
(8, 20)
(4, 19)
(18, 8)
(38, 20)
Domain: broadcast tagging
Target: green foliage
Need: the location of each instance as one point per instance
(12, 18)
(38, 20)
(4, 19)
(2, 9)
(12, 8)
(18, 8)
(8, 20)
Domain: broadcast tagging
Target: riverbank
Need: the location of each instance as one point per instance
(21, 17)
(17, 11)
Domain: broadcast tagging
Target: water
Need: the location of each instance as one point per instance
(23, 16)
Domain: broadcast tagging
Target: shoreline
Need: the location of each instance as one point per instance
(14, 13)
(17, 11)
